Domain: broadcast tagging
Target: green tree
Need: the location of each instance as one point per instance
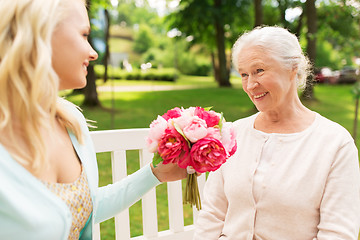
(327, 55)
(339, 26)
(143, 39)
(130, 14)
(212, 23)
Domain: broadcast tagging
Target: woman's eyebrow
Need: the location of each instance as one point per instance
(254, 64)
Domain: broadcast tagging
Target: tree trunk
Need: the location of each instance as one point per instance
(283, 5)
(258, 13)
(356, 87)
(356, 118)
(91, 96)
(224, 80)
(215, 67)
(107, 51)
(310, 8)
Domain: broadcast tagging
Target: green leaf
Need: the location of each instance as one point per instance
(208, 108)
(157, 159)
(178, 129)
(221, 121)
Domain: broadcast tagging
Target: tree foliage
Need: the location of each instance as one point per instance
(339, 25)
(213, 23)
(143, 39)
(127, 12)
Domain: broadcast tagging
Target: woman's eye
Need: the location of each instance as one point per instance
(86, 35)
(259, 70)
(243, 75)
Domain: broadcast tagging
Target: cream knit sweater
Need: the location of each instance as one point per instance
(310, 191)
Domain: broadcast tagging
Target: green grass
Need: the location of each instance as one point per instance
(183, 80)
(138, 109)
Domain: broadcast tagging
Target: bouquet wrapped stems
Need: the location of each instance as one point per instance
(192, 195)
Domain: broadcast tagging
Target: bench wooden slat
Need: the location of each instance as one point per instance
(176, 213)
(119, 171)
(122, 139)
(149, 209)
(187, 234)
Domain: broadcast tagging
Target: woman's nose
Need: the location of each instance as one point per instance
(93, 54)
(252, 84)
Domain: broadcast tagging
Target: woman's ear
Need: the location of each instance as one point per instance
(293, 73)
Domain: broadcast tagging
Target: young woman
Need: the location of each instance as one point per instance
(48, 169)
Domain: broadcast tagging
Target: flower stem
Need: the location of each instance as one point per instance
(192, 195)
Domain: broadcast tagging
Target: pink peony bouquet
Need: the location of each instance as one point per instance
(195, 138)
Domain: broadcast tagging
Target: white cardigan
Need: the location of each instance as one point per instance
(311, 190)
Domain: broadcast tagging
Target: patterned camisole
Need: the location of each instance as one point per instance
(77, 197)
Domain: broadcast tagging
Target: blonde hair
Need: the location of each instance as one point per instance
(282, 46)
(29, 101)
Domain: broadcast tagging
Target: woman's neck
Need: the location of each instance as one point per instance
(290, 119)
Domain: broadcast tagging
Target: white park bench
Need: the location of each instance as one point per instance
(118, 142)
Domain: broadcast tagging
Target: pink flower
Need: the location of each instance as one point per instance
(186, 117)
(173, 148)
(195, 130)
(207, 154)
(212, 118)
(172, 113)
(189, 111)
(151, 144)
(213, 132)
(228, 138)
(157, 128)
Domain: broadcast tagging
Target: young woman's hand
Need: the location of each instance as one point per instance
(168, 172)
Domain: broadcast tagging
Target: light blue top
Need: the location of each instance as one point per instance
(28, 210)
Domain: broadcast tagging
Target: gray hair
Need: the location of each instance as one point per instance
(279, 43)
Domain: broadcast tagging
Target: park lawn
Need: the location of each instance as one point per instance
(138, 109)
(183, 80)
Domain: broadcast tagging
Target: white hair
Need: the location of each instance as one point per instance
(280, 44)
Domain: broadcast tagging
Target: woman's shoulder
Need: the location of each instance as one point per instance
(73, 110)
(245, 121)
(71, 107)
(330, 128)
(74, 113)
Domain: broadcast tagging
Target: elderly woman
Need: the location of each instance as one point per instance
(295, 174)
(48, 169)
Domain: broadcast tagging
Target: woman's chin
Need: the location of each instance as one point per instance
(73, 85)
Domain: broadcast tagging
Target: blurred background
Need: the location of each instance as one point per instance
(162, 39)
